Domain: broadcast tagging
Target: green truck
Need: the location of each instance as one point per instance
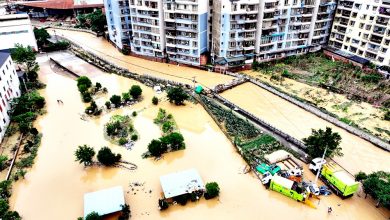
(263, 168)
(288, 188)
(339, 180)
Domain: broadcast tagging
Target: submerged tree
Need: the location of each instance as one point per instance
(84, 154)
(93, 216)
(177, 95)
(212, 190)
(320, 139)
(135, 91)
(107, 158)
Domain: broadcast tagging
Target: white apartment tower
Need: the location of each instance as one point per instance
(360, 28)
(269, 29)
(186, 30)
(9, 89)
(118, 22)
(147, 18)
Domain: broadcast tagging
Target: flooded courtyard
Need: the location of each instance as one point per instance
(54, 187)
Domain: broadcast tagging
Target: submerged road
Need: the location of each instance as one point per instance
(359, 155)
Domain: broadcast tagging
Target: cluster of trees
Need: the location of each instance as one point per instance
(134, 93)
(84, 154)
(5, 193)
(171, 142)
(94, 21)
(86, 89)
(377, 185)
(319, 140)
(42, 37)
(120, 128)
(177, 95)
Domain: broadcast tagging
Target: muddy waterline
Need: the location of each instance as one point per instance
(54, 187)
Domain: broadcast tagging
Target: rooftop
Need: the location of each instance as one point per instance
(105, 201)
(3, 57)
(64, 4)
(179, 183)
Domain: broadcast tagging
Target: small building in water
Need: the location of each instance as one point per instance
(180, 183)
(104, 202)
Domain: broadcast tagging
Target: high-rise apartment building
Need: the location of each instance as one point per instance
(186, 30)
(118, 22)
(269, 29)
(360, 28)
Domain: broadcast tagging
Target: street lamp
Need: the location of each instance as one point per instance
(319, 169)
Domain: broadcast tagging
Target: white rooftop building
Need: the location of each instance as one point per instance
(9, 89)
(16, 29)
(179, 183)
(104, 201)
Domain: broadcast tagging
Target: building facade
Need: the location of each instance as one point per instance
(360, 28)
(118, 22)
(247, 30)
(16, 29)
(9, 89)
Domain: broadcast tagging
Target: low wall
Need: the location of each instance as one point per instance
(59, 64)
(341, 58)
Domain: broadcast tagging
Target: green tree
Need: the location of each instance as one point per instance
(25, 56)
(387, 115)
(177, 95)
(377, 185)
(41, 35)
(174, 141)
(156, 148)
(93, 216)
(319, 140)
(155, 100)
(135, 91)
(5, 189)
(107, 158)
(83, 80)
(116, 100)
(3, 160)
(84, 154)
(360, 176)
(97, 21)
(108, 104)
(212, 190)
(126, 96)
(4, 206)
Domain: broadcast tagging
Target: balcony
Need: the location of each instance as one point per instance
(384, 11)
(376, 39)
(382, 21)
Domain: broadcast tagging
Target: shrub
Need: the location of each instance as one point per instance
(126, 96)
(108, 104)
(116, 100)
(122, 141)
(163, 204)
(86, 97)
(112, 128)
(134, 137)
(3, 160)
(360, 176)
(34, 131)
(98, 86)
(371, 78)
(212, 190)
(134, 113)
(167, 127)
(155, 100)
(135, 91)
(107, 158)
(156, 148)
(387, 116)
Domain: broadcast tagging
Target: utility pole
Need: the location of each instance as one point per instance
(319, 169)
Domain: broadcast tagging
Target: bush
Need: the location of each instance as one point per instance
(387, 116)
(162, 204)
(122, 141)
(134, 137)
(126, 96)
(108, 104)
(167, 127)
(360, 176)
(212, 190)
(107, 158)
(86, 97)
(135, 91)
(177, 95)
(156, 148)
(116, 100)
(372, 78)
(3, 160)
(155, 100)
(134, 113)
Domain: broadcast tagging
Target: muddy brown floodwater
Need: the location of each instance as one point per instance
(54, 187)
(359, 155)
(182, 74)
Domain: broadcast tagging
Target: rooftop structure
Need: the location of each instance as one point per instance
(105, 201)
(16, 29)
(64, 4)
(179, 183)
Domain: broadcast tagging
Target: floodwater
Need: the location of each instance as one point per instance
(103, 48)
(359, 155)
(362, 113)
(54, 187)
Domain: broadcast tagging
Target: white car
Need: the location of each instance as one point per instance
(316, 164)
(313, 188)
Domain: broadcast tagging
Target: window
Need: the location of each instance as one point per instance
(380, 59)
(368, 7)
(384, 50)
(361, 25)
(374, 8)
(371, 18)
